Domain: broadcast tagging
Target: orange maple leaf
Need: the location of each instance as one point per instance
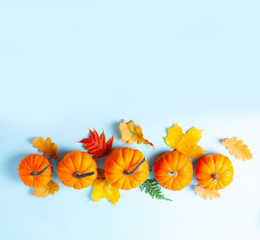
(46, 146)
(205, 193)
(131, 133)
(237, 148)
(45, 191)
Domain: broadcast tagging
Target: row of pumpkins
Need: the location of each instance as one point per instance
(127, 168)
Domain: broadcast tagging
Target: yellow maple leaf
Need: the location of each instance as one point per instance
(237, 148)
(205, 193)
(131, 133)
(45, 191)
(185, 142)
(103, 189)
(46, 146)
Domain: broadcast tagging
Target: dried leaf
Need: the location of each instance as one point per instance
(96, 145)
(46, 146)
(45, 191)
(185, 142)
(103, 189)
(237, 148)
(206, 194)
(131, 133)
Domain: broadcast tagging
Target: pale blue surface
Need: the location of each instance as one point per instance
(66, 66)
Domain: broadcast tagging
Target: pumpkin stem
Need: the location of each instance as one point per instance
(215, 177)
(128, 173)
(79, 175)
(173, 174)
(35, 174)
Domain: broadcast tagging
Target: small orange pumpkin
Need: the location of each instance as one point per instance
(173, 170)
(126, 168)
(35, 170)
(214, 172)
(77, 169)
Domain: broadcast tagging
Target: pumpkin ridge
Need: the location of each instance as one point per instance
(113, 160)
(167, 163)
(204, 164)
(227, 167)
(184, 165)
(129, 163)
(119, 181)
(65, 164)
(129, 183)
(177, 183)
(69, 182)
(227, 170)
(42, 166)
(87, 169)
(179, 160)
(25, 170)
(134, 176)
(39, 165)
(80, 183)
(213, 159)
(135, 155)
(25, 162)
(115, 181)
(62, 164)
(81, 162)
(117, 154)
(165, 179)
(72, 160)
(134, 166)
(223, 160)
(64, 169)
(169, 183)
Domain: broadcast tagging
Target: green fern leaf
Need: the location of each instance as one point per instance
(152, 187)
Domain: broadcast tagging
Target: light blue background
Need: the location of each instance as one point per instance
(66, 66)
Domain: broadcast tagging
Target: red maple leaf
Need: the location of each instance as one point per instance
(96, 145)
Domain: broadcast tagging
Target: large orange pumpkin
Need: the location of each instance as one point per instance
(214, 171)
(173, 170)
(77, 169)
(126, 168)
(35, 170)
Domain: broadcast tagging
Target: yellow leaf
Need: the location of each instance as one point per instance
(103, 189)
(46, 146)
(185, 142)
(131, 133)
(46, 190)
(237, 148)
(206, 194)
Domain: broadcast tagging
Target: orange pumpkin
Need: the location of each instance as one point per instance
(77, 169)
(126, 168)
(35, 170)
(173, 170)
(214, 172)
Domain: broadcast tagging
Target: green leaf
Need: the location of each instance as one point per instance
(152, 187)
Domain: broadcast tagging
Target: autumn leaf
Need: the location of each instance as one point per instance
(96, 145)
(185, 142)
(131, 133)
(103, 189)
(46, 146)
(45, 191)
(205, 193)
(237, 148)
